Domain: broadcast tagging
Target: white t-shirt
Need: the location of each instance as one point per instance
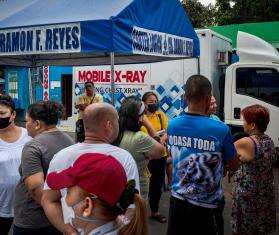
(66, 157)
(10, 156)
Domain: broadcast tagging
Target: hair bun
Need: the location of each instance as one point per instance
(55, 109)
(127, 197)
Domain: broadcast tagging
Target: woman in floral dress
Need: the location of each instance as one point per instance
(253, 206)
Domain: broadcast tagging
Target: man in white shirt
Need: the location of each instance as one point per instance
(101, 129)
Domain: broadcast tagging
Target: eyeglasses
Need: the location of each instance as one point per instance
(93, 197)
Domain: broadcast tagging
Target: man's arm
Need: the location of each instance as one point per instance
(53, 210)
(80, 104)
(230, 155)
(34, 184)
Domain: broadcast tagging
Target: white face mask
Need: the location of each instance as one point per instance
(69, 215)
(68, 212)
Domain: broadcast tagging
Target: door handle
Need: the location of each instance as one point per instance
(236, 112)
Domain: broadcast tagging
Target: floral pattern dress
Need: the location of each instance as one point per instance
(253, 205)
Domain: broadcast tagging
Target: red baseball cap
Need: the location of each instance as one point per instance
(98, 174)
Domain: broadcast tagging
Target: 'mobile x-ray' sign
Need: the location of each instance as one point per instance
(63, 38)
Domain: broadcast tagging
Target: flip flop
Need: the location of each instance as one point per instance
(160, 218)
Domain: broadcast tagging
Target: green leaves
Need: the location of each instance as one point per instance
(200, 16)
(226, 12)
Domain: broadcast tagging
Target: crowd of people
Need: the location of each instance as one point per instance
(122, 160)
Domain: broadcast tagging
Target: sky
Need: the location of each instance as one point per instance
(206, 2)
(9, 7)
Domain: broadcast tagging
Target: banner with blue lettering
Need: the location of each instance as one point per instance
(148, 42)
(157, 28)
(37, 40)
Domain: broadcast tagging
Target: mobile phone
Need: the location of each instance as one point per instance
(160, 133)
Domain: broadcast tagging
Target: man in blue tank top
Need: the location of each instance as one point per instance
(200, 148)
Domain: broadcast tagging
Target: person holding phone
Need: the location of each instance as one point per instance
(157, 167)
(141, 145)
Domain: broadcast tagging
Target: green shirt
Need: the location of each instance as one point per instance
(138, 144)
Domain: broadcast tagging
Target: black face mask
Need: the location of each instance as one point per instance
(4, 122)
(152, 107)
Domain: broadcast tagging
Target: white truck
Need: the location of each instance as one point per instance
(252, 80)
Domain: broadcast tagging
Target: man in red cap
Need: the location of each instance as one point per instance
(101, 129)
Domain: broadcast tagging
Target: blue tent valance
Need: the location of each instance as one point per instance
(67, 30)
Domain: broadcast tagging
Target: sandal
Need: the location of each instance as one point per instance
(160, 218)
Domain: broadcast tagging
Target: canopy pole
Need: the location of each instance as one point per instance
(112, 82)
(199, 66)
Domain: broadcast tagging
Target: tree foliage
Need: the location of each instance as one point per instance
(246, 11)
(227, 12)
(200, 16)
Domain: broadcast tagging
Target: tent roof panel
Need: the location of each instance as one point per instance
(60, 11)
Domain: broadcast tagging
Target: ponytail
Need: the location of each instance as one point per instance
(138, 223)
(134, 223)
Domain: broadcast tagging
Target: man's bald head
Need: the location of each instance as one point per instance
(97, 114)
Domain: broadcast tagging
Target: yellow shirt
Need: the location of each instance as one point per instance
(156, 123)
(154, 119)
(85, 99)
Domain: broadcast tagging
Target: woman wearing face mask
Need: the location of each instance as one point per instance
(140, 145)
(41, 121)
(98, 192)
(12, 140)
(157, 167)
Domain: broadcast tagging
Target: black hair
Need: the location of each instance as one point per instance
(125, 200)
(197, 88)
(146, 95)
(88, 82)
(7, 100)
(127, 197)
(128, 116)
(48, 112)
